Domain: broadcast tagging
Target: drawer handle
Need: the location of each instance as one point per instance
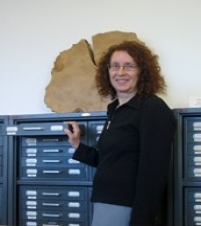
(31, 203)
(50, 204)
(51, 171)
(73, 204)
(57, 128)
(99, 129)
(73, 194)
(197, 160)
(51, 215)
(197, 125)
(197, 172)
(74, 215)
(31, 224)
(50, 194)
(197, 137)
(74, 225)
(51, 161)
(72, 161)
(51, 151)
(38, 128)
(31, 151)
(49, 225)
(74, 171)
(197, 220)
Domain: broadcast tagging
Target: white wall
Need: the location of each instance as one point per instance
(33, 33)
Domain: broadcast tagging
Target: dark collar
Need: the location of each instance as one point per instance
(135, 103)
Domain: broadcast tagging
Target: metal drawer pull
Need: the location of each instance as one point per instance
(31, 224)
(50, 204)
(33, 128)
(73, 204)
(73, 193)
(71, 150)
(197, 125)
(51, 151)
(197, 220)
(197, 172)
(74, 215)
(74, 171)
(31, 203)
(51, 215)
(31, 172)
(197, 160)
(31, 193)
(197, 149)
(31, 141)
(31, 150)
(51, 224)
(51, 171)
(50, 194)
(73, 224)
(197, 137)
(99, 129)
(31, 161)
(72, 161)
(197, 209)
(197, 197)
(57, 128)
(51, 161)
(11, 130)
(50, 139)
(31, 213)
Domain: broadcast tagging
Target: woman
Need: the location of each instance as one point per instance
(133, 156)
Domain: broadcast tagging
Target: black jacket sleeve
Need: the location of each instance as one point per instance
(86, 154)
(156, 128)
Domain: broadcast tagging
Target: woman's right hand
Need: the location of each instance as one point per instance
(73, 134)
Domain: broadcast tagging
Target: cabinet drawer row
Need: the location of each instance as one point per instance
(51, 223)
(192, 206)
(68, 205)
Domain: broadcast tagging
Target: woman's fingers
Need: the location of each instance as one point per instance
(73, 133)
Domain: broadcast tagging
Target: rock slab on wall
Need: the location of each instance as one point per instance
(72, 86)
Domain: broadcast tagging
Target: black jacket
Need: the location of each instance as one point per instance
(133, 158)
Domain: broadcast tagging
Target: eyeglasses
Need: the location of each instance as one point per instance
(126, 67)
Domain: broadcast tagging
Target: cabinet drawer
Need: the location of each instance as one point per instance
(193, 149)
(49, 161)
(193, 137)
(56, 173)
(73, 205)
(53, 193)
(50, 128)
(96, 127)
(194, 160)
(72, 216)
(48, 141)
(193, 124)
(47, 151)
(51, 223)
(194, 172)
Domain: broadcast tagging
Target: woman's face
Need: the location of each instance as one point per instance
(123, 72)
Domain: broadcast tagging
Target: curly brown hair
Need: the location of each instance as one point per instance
(150, 81)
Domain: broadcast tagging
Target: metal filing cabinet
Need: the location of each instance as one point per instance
(3, 171)
(187, 168)
(49, 187)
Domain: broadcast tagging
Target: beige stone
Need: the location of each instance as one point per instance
(72, 86)
(102, 41)
(72, 83)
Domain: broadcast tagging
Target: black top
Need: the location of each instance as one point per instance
(133, 158)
